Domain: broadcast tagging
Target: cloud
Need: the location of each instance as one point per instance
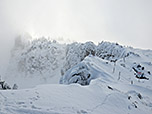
(82, 20)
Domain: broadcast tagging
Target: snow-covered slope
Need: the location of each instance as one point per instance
(111, 92)
(93, 79)
(97, 98)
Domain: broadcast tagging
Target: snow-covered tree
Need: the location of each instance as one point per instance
(76, 52)
(111, 51)
(79, 74)
(39, 56)
(42, 57)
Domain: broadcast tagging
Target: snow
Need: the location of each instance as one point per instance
(96, 98)
(85, 71)
(38, 62)
(94, 79)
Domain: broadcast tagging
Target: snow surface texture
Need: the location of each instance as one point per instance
(112, 86)
(97, 98)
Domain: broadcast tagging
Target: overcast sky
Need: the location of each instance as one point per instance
(128, 22)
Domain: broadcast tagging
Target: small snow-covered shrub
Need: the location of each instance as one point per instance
(4, 85)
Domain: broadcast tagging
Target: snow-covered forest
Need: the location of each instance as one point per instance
(47, 59)
(76, 78)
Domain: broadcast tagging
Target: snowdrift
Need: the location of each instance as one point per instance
(99, 97)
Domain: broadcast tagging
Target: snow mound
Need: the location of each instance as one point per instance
(97, 98)
(90, 68)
